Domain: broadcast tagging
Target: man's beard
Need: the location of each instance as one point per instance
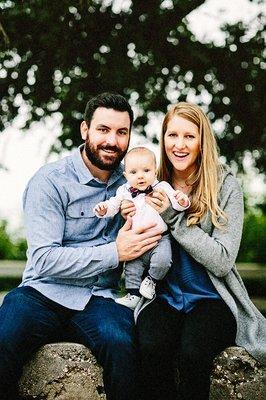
(107, 163)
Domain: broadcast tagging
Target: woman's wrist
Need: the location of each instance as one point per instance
(168, 214)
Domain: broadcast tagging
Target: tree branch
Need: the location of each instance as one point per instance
(6, 38)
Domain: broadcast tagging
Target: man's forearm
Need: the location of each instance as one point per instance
(73, 262)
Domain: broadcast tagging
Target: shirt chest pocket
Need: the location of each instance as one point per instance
(80, 221)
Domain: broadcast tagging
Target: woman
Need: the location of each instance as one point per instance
(202, 306)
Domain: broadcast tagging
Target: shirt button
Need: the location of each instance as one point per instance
(82, 213)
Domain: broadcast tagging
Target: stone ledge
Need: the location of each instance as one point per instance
(237, 375)
(62, 371)
(68, 371)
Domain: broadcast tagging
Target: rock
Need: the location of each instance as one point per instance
(68, 371)
(62, 371)
(237, 375)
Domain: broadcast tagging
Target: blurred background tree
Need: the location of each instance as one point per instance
(253, 244)
(55, 55)
(10, 248)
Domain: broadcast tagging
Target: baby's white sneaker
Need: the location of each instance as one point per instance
(130, 301)
(147, 288)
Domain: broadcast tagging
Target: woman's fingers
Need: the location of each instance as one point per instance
(127, 209)
(158, 200)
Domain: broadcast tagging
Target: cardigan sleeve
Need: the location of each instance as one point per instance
(216, 250)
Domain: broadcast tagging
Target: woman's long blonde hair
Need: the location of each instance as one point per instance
(206, 179)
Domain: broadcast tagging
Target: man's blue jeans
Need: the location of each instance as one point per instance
(29, 320)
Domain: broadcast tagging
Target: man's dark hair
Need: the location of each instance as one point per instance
(107, 100)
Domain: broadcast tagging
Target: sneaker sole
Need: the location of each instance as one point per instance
(122, 304)
(145, 294)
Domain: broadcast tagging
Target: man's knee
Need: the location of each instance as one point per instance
(8, 333)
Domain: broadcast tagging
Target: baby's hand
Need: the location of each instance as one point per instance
(181, 198)
(101, 209)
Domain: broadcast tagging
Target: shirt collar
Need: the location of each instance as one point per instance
(85, 175)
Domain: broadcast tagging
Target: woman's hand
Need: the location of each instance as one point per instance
(159, 200)
(127, 209)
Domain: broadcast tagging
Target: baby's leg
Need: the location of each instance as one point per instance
(133, 276)
(160, 259)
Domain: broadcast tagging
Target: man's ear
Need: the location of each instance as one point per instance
(124, 174)
(84, 130)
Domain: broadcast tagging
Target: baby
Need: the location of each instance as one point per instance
(140, 172)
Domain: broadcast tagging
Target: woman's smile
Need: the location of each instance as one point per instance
(180, 156)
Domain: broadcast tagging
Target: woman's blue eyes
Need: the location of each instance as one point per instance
(172, 135)
(176, 135)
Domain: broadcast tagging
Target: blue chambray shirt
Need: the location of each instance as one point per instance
(71, 253)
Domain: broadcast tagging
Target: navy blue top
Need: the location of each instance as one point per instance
(187, 282)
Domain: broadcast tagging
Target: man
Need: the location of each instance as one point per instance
(72, 269)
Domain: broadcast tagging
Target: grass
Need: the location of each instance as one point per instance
(2, 295)
(10, 274)
(11, 268)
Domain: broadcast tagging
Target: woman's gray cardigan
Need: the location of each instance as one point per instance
(217, 250)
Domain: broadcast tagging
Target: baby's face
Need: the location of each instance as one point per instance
(140, 170)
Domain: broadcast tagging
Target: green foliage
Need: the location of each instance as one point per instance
(56, 54)
(253, 245)
(11, 249)
(5, 243)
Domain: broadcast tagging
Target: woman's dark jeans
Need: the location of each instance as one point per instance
(28, 320)
(169, 339)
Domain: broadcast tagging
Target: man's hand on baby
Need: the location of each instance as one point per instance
(181, 198)
(132, 243)
(101, 209)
